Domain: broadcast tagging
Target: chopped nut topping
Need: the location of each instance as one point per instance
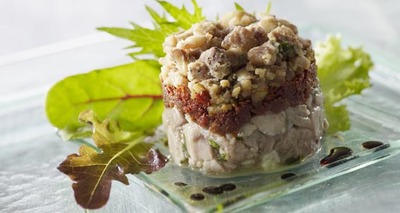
(235, 59)
(225, 83)
(235, 92)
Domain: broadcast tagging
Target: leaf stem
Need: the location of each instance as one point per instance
(126, 97)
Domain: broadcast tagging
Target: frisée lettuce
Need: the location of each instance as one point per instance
(342, 72)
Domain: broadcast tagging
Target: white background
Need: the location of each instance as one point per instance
(26, 24)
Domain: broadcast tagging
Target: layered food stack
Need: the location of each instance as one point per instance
(241, 93)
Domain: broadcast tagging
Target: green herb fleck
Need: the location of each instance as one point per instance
(287, 50)
(222, 157)
(213, 144)
(239, 138)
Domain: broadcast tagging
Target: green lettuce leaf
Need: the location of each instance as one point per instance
(342, 72)
(121, 153)
(129, 94)
(149, 41)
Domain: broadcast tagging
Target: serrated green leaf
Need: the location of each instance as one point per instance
(130, 94)
(156, 17)
(182, 16)
(149, 41)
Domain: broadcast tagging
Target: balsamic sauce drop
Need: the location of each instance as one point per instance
(228, 187)
(164, 192)
(336, 154)
(197, 196)
(371, 144)
(214, 190)
(289, 175)
(181, 184)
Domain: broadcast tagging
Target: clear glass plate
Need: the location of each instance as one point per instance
(374, 116)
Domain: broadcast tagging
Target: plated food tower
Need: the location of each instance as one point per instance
(241, 93)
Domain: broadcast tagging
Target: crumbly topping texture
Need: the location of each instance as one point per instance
(237, 59)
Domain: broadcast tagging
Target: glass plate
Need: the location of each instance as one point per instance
(374, 116)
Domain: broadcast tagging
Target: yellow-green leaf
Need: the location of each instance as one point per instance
(342, 72)
(149, 41)
(130, 94)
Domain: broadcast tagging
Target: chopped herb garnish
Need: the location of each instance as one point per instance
(239, 138)
(223, 156)
(287, 50)
(213, 144)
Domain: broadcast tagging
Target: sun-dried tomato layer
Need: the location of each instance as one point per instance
(291, 93)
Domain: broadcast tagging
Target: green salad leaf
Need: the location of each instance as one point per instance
(342, 72)
(121, 154)
(122, 104)
(129, 94)
(149, 41)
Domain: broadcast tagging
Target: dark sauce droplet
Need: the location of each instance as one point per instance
(371, 144)
(181, 184)
(197, 196)
(228, 187)
(214, 190)
(288, 176)
(336, 154)
(164, 192)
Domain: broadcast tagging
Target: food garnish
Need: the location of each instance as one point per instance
(127, 98)
(120, 153)
(129, 94)
(342, 72)
(149, 41)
